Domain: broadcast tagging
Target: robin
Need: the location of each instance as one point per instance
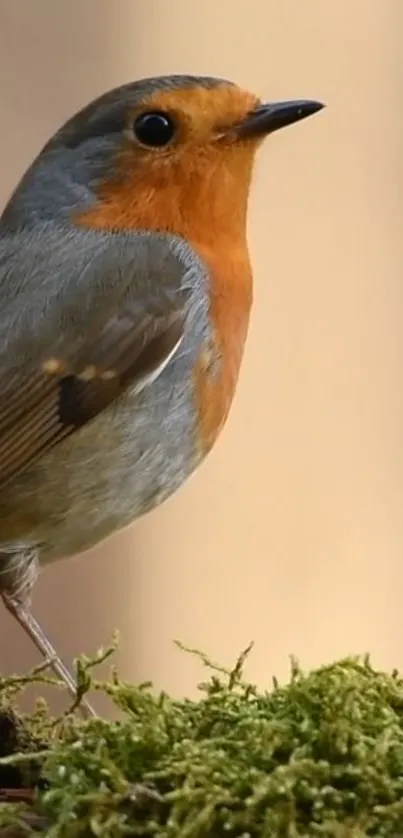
(125, 297)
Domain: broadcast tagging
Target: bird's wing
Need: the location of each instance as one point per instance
(72, 343)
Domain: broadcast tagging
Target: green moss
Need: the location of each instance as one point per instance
(320, 756)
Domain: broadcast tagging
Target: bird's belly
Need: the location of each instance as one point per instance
(119, 467)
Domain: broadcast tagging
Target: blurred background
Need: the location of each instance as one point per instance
(291, 534)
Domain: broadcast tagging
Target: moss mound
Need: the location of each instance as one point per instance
(320, 756)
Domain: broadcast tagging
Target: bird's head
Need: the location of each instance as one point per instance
(173, 153)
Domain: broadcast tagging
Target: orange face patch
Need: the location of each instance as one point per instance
(203, 113)
(190, 187)
(198, 190)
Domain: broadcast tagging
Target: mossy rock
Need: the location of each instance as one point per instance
(320, 756)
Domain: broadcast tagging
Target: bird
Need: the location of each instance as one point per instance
(126, 290)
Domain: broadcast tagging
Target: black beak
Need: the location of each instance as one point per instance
(271, 117)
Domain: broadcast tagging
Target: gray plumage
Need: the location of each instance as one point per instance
(57, 287)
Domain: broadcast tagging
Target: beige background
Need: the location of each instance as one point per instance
(292, 533)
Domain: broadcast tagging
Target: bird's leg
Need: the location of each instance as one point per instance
(27, 621)
(17, 577)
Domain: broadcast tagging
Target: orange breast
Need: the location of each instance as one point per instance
(204, 202)
(230, 305)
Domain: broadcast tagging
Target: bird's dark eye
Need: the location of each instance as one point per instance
(154, 129)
